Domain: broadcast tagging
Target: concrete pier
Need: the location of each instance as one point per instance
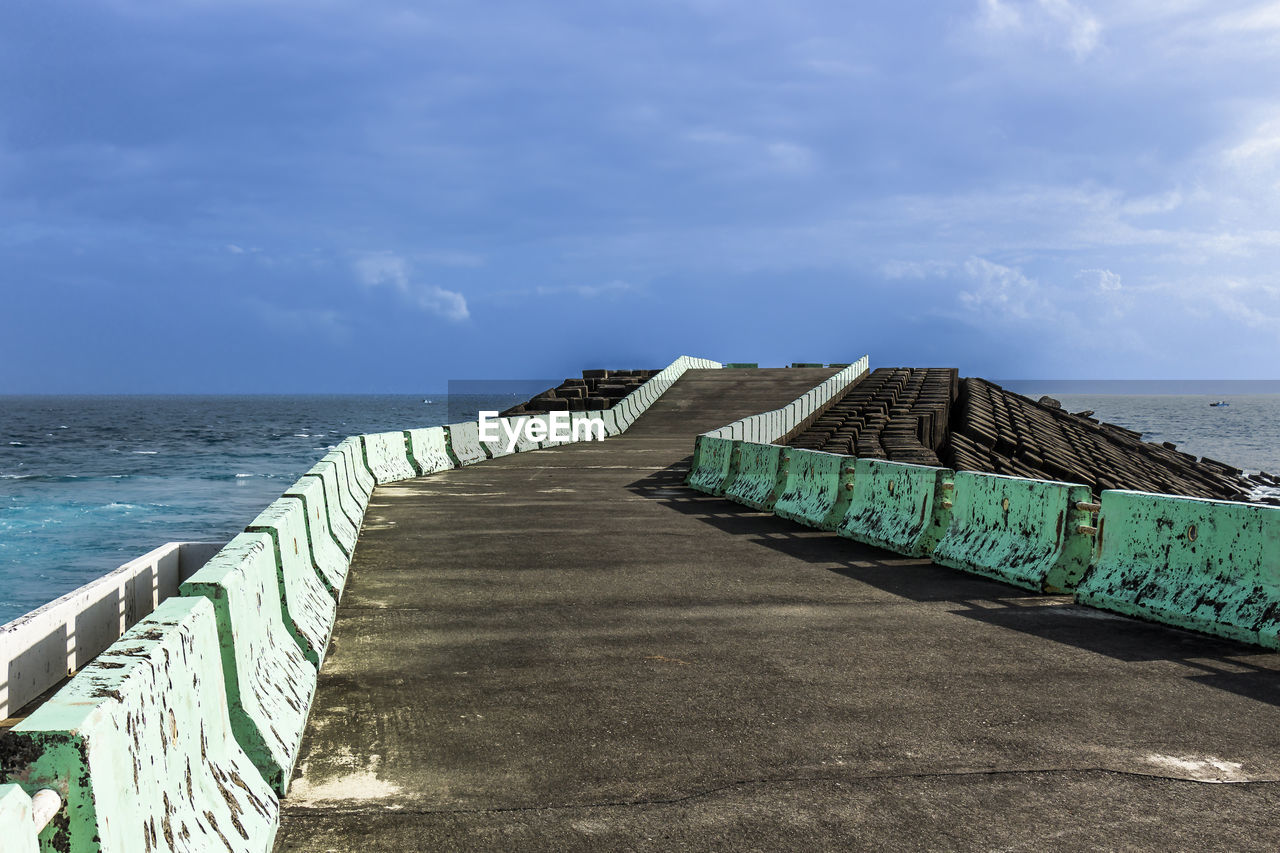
(569, 650)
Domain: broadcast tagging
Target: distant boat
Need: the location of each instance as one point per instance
(1219, 403)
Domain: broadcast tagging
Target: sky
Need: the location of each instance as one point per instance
(283, 196)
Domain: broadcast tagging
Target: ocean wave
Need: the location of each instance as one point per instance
(146, 452)
(16, 444)
(242, 476)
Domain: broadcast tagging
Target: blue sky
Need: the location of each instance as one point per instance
(286, 196)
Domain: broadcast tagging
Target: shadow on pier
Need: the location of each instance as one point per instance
(1212, 661)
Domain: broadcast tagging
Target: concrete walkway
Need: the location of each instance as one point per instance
(568, 650)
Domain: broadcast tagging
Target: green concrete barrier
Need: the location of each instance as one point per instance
(269, 682)
(140, 745)
(501, 445)
(525, 444)
(309, 601)
(610, 418)
(429, 450)
(328, 559)
(762, 474)
(387, 456)
(899, 507)
(818, 488)
(348, 475)
(353, 448)
(349, 501)
(1211, 566)
(353, 498)
(464, 443)
(1028, 533)
(715, 464)
(17, 822)
(341, 520)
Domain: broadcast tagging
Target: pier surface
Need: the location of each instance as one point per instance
(569, 650)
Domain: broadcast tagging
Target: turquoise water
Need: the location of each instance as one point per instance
(88, 483)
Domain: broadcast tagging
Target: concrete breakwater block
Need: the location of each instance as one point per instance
(353, 448)
(818, 488)
(328, 559)
(1211, 566)
(464, 443)
(350, 493)
(429, 450)
(715, 463)
(1029, 533)
(17, 822)
(140, 746)
(762, 473)
(268, 680)
(308, 605)
(387, 455)
(897, 506)
(344, 520)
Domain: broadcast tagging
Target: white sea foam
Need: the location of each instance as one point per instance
(146, 452)
(16, 444)
(241, 476)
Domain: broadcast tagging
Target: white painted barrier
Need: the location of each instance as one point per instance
(40, 649)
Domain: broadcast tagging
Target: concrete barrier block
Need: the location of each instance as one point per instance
(387, 455)
(1019, 531)
(762, 474)
(344, 519)
(39, 649)
(464, 443)
(610, 418)
(501, 445)
(818, 488)
(351, 495)
(540, 422)
(1211, 566)
(353, 447)
(715, 464)
(309, 604)
(269, 682)
(17, 823)
(328, 559)
(429, 450)
(899, 507)
(140, 746)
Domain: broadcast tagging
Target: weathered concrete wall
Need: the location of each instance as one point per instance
(1212, 566)
(899, 507)
(818, 488)
(43, 647)
(269, 681)
(141, 748)
(1029, 533)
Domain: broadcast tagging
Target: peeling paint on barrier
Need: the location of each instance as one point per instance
(1023, 532)
(762, 473)
(818, 488)
(140, 746)
(1211, 566)
(899, 507)
(269, 682)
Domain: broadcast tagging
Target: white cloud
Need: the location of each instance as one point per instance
(386, 268)
(234, 249)
(1104, 280)
(588, 291)
(1058, 22)
(1002, 290)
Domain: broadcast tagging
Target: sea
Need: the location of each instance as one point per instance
(89, 483)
